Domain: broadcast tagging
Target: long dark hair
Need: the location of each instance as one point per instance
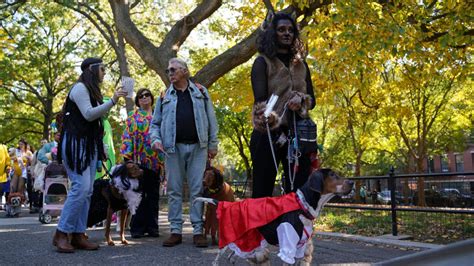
(267, 39)
(90, 78)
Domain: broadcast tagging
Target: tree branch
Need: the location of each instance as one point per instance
(19, 99)
(21, 134)
(150, 54)
(107, 33)
(181, 30)
(24, 119)
(228, 60)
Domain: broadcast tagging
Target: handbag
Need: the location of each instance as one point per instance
(306, 131)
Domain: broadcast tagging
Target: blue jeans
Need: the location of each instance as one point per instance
(188, 161)
(76, 208)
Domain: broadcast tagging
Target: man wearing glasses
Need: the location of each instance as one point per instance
(184, 128)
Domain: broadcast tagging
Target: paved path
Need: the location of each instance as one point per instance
(25, 241)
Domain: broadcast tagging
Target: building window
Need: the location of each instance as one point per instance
(444, 163)
(459, 158)
(431, 165)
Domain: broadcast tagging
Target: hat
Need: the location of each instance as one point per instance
(89, 61)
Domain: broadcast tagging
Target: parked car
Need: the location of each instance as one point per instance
(349, 198)
(432, 198)
(384, 197)
(454, 198)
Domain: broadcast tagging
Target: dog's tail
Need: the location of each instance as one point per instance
(206, 200)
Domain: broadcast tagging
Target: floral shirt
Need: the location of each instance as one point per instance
(136, 142)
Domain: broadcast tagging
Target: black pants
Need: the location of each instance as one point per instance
(264, 172)
(33, 196)
(145, 219)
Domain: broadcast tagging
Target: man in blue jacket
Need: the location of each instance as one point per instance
(184, 128)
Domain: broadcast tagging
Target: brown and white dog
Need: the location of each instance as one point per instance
(120, 193)
(216, 188)
(285, 221)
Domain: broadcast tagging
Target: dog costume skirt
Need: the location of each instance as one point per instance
(239, 221)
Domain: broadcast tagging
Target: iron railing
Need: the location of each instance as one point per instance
(443, 183)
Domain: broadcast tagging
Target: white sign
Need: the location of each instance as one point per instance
(128, 84)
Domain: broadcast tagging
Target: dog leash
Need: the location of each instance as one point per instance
(293, 152)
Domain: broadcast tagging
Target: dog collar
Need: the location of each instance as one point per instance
(215, 190)
(309, 212)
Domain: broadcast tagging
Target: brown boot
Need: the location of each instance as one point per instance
(80, 241)
(200, 241)
(60, 241)
(173, 240)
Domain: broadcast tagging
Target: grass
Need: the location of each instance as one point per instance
(438, 228)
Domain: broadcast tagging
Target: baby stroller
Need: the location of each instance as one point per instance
(55, 192)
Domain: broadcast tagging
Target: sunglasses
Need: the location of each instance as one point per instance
(144, 95)
(171, 70)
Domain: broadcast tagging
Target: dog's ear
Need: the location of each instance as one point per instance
(316, 181)
(219, 177)
(329, 173)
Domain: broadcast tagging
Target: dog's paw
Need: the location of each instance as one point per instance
(110, 243)
(124, 241)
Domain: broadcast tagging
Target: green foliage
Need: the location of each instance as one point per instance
(45, 43)
(393, 79)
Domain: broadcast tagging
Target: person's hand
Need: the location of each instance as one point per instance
(119, 93)
(157, 146)
(295, 103)
(211, 153)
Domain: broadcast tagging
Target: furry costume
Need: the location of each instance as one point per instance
(289, 84)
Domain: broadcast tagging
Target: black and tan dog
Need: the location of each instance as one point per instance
(286, 221)
(216, 188)
(120, 193)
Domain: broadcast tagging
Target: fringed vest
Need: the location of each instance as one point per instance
(83, 138)
(283, 80)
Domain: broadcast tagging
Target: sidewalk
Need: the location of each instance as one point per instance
(26, 241)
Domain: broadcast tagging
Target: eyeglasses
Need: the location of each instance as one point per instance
(144, 95)
(171, 70)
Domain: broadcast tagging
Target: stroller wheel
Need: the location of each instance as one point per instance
(47, 218)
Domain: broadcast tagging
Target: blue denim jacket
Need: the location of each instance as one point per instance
(163, 124)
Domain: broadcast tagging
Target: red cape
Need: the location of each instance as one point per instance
(238, 221)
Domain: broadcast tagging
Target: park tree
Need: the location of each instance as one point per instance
(370, 62)
(38, 66)
(416, 50)
(156, 56)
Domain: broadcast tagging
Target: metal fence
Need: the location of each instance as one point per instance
(391, 206)
(390, 203)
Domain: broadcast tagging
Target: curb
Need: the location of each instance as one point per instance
(377, 240)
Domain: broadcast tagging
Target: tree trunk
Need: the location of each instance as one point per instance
(124, 68)
(358, 183)
(48, 118)
(420, 182)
